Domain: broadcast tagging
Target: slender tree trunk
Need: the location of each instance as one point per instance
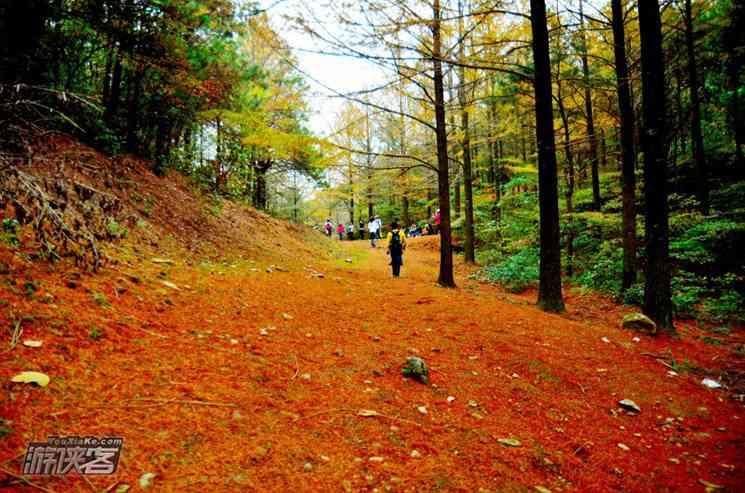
(106, 89)
(402, 149)
(456, 197)
(549, 289)
(445, 277)
(260, 198)
(702, 186)
(133, 111)
(350, 174)
(469, 254)
(569, 179)
(657, 290)
(116, 86)
(368, 149)
(589, 114)
(628, 153)
(568, 157)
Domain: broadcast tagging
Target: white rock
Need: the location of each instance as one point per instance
(712, 384)
(605, 340)
(146, 480)
(623, 446)
(415, 454)
(451, 398)
(422, 409)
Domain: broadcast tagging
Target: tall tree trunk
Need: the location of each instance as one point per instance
(260, 198)
(456, 197)
(133, 111)
(657, 290)
(350, 175)
(368, 149)
(549, 288)
(569, 178)
(568, 157)
(589, 115)
(445, 277)
(702, 186)
(469, 254)
(628, 154)
(496, 171)
(116, 82)
(402, 149)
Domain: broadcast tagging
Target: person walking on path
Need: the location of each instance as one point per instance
(438, 220)
(362, 229)
(350, 231)
(396, 244)
(328, 227)
(340, 231)
(373, 228)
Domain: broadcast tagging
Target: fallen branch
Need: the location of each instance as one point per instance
(660, 359)
(297, 368)
(361, 413)
(179, 401)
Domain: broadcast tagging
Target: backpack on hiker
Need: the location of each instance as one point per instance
(396, 245)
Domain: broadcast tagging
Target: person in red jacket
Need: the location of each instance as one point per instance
(340, 230)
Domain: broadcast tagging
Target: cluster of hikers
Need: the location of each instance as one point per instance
(395, 240)
(374, 229)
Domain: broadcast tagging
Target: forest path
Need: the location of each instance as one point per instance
(228, 377)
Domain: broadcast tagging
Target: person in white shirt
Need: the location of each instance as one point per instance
(373, 227)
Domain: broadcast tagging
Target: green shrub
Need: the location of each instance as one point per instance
(687, 289)
(517, 272)
(634, 295)
(729, 306)
(9, 233)
(603, 272)
(116, 230)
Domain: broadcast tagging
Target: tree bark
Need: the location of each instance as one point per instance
(260, 198)
(469, 254)
(445, 277)
(699, 158)
(589, 114)
(549, 288)
(133, 112)
(657, 290)
(628, 154)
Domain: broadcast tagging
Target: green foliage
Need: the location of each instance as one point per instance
(699, 243)
(116, 230)
(687, 293)
(9, 234)
(5, 428)
(517, 272)
(148, 205)
(728, 306)
(95, 333)
(634, 295)
(712, 341)
(101, 299)
(603, 271)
